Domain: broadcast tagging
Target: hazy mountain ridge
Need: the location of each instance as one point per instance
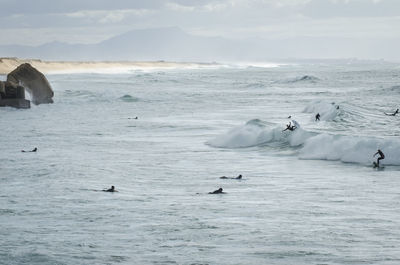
(173, 44)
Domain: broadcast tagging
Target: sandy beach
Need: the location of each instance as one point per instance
(53, 67)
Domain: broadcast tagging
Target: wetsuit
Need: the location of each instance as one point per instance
(381, 156)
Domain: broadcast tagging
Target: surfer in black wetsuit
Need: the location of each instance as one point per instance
(33, 150)
(218, 191)
(381, 156)
(317, 117)
(392, 114)
(238, 177)
(112, 189)
(290, 128)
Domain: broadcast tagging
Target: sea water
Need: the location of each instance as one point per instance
(308, 196)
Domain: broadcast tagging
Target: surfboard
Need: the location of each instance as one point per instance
(295, 123)
(375, 165)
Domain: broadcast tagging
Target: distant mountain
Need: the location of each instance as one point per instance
(162, 44)
(173, 44)
(148, 44)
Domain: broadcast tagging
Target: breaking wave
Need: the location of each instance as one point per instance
(310, 145)
(300, 79)
(128, 98)
(328, 110)
(256, 132)
(350, 149)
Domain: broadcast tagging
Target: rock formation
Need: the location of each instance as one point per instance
(13, 95)
(34, 82)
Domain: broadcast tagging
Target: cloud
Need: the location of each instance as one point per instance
(205, 7)
(178, 7)
(9, 7)
(89, 21)
(109, 16)
(351, 8)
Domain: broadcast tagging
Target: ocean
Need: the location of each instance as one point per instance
(308, 196)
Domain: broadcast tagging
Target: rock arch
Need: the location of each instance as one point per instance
(34, 82)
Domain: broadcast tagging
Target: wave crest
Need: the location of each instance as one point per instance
(256, 132)
(350, 149)
(128, 98)
(310, 145)
(328, 110)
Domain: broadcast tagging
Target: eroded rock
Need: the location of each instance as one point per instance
(34, 82)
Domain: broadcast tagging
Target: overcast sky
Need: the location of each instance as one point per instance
(35, 22)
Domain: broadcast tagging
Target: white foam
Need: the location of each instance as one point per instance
(242, 65)
(256, 132)
(351, 149)
(327, 110)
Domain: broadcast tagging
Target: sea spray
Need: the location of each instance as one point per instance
(350, 149)
(328, 110)
(256, 132)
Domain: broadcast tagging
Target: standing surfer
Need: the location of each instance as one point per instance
(381, 156)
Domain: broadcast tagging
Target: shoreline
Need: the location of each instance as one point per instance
(8, 64)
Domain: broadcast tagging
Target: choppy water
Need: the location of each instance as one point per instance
(306, 197)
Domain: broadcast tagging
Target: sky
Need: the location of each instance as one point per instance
(35, 22)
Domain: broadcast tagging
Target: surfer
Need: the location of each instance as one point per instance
(218, 191)
(317, 117)
(381, 156)
(112, 189)
(238, 177)
(393, 114)
(33, 150)
(290, 127)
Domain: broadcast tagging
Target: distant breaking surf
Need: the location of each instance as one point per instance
(101, 67)
(8, 64)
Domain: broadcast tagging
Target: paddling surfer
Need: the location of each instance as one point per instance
(112, 189)
(32, 151)
(218, 191)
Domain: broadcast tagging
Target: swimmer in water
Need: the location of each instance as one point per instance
(381, 156)
(33, 150)
(317, 117)
(112, 189)
(238, 177)
(218, 191)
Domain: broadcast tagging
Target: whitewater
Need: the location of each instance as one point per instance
(308, 196)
